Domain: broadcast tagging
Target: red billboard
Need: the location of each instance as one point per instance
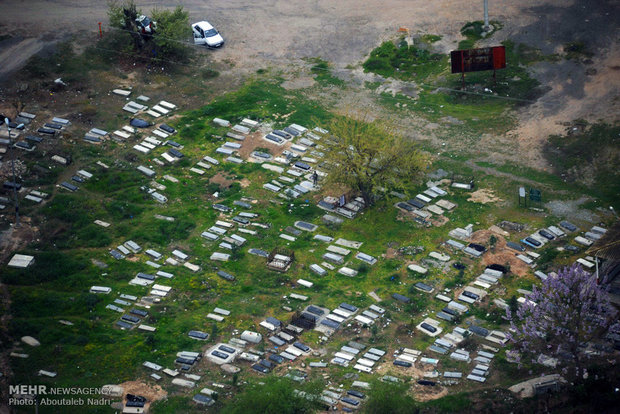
(476, 60)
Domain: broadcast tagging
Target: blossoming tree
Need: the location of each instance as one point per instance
(560, 317)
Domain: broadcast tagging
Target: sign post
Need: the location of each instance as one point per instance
(477, 60)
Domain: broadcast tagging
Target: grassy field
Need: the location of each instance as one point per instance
(73, 252)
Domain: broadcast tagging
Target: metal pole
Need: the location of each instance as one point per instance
(486, 15)
(598, 282)
(6, 120)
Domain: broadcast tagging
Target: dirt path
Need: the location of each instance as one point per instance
(14, 56)
(279, 33)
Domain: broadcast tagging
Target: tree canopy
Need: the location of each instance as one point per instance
(560, 317)
(367, 155)
(169, 40)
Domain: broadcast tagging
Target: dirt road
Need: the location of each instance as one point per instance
(277, 33)
(341, 31)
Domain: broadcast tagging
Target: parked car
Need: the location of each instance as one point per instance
(205, 34)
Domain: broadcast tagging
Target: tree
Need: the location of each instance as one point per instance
(122, 15)
(366, 155)
(513, 304)
(173, 30)
(167, 43)
(559, 317)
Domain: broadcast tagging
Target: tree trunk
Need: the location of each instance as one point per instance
(367, 196)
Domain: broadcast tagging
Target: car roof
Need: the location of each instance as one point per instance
(204, 25)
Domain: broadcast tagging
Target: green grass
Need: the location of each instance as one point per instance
(57, 286)
(473, 32)
(322, 74)
(588, 156)
(482, 106)
(577, 50)
(405, 62)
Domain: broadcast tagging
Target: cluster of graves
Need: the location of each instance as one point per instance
(238, 227)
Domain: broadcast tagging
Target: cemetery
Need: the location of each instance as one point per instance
(202, 250)
(331, 296)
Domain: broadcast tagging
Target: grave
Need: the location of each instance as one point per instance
(22, 261)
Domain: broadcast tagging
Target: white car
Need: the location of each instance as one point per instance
(205, 34)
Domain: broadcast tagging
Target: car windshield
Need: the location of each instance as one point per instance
(210, 32)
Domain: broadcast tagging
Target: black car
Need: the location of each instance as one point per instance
(568, 225)
(282, 134)
(175, 153)
(350, 401)
(477, 247)
(416, 202)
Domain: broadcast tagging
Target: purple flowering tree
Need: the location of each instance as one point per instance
(559, 317)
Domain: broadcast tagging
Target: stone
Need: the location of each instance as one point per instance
(29, 340)
(439, 256)
(366, 258)
(347, 271)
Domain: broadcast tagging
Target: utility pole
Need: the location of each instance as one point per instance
(8, 127)
(486, 15)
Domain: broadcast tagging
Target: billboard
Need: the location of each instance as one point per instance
(475, 60)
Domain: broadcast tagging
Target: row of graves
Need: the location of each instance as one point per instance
(26, 133)
(134, 310)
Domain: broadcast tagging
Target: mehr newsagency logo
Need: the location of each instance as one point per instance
(43, 395)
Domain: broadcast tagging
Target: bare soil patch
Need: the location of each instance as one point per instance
(151, 392)
(221, 179)
(14, 239)
(298, 83)
(423, 393)
(255, 140)
(500, 254)
(483, 196)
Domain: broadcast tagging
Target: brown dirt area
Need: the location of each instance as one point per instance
(14, 239)
(151, 392)
(501, 254)
(255, 140)
(221, 179)
(483, 196)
